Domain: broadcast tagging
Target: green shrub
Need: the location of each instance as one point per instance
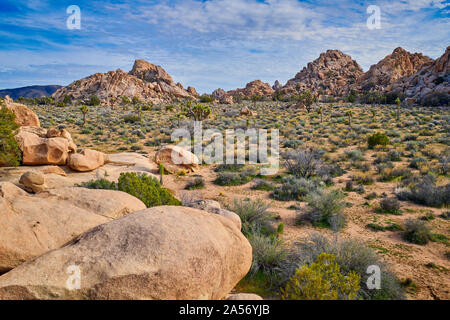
(390, 205)
(254, 215)
(10, 154)
(416, 231)
(351, 255)
(325, 209)
(378, 139)
(235, 178)
(145, 188)
(196, 183)
(269, 254)
(294, 189)
(322, 280)
(426, 193)
(94, 100)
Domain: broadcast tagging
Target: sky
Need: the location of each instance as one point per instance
(208, 44)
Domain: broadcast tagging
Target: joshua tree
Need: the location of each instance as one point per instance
(255, 99)
(374, 113)
(399, 103)
(84, 110)
(198, 112)
(307, 99)
(320, 111)
(125, 102)
(349, 114)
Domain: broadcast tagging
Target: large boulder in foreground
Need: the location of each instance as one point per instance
(38, 148)
(176, 159)
(160, 253)
(34, 224)
(24, 115)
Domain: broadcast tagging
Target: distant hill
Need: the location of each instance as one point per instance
(30, 92)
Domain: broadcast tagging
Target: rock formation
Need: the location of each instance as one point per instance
(162, 253)
(433, 78)
(39, 148)
(34, 224)
(399, 64)
(176, 159)
(254, 88)
(327, 75)
(145, 81)
(24, 115)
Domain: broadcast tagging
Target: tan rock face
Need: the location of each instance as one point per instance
(162, 253)
(24, 115)
(327, 75)
(399, 64)
(86, 160)
(145, 81)
(254, 88)
(431, 79)
(37, 149)
(176, 159)
(33, 181)
(34, 224)
(212, 206)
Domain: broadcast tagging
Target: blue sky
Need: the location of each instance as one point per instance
(207, 44)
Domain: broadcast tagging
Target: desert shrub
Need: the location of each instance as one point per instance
(99, 184)
(196, 183)
(269, 254)
(294, 189)
(145, 188)
(229, 167)
(416, 162)
(390, 205)
(206, 98)
(322, 280)
(354, 155)
(254, 215)
(351, 255)
(303, 163)
(416, 231)
(263, 185)
(377, 139)
(388, 227)
(325, 209)
(94, 100)
(234, 178)
(131, 118)
(426, 192)
(10, 154)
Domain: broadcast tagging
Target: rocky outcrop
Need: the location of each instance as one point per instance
(327, 75)
(277, 86)
(24, 115)
(41, 147)
(33, 181)
(34, 224)
(86, 160)
(192, 91)
(254, 88)
(145, 81)
(176, 159)
(397, 65)
(162, 253)
(212, 206)
(431, 79)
